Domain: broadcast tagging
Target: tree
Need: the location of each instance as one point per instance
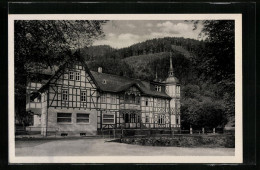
(47, 42)
(206, 114)
(217, 60)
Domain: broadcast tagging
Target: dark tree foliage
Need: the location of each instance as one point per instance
(46, 43)
(219, 53)
(215, 66)
(221, 43)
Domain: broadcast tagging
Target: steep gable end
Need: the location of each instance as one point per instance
(74, 72)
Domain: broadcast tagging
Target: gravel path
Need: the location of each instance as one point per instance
(103, 147)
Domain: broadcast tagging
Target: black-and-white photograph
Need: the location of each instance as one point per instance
(125, 87)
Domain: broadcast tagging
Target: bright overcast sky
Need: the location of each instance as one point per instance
(119, 34)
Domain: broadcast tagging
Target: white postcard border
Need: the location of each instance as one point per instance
(238, 158)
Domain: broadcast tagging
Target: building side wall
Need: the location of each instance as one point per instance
(151, 112)
(74, 87)
(72, 128)
(153, 109)
(108, 103)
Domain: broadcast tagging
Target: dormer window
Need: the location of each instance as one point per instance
(158, 88)
(104, 81)
(71, 75)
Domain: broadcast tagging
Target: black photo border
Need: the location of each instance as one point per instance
(247, 9)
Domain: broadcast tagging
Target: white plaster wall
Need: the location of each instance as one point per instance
(73, 127)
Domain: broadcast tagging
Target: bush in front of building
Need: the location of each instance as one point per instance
(223, 141)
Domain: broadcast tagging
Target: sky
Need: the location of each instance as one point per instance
(123, 33)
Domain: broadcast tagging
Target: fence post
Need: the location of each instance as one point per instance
(214, 130)
(114, 133)
(191, 130)
(203, 130)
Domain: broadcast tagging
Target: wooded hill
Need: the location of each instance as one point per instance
(206, 100)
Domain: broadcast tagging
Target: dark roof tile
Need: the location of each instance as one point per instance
(117, 84)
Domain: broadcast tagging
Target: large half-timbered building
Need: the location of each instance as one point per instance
(76, 100)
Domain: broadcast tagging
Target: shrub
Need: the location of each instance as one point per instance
(227, 141)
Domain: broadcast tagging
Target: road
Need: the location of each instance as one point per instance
(104, 147)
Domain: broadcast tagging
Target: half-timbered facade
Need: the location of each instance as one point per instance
(75, 100)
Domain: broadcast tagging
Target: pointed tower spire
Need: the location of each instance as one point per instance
(171, 74)
(156, 76)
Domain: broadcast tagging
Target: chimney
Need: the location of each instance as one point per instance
(100, 69)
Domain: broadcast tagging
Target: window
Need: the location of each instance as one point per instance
(64, 117)
(167, 89)
(138, 119)
(163, 103)
(146, 102)
(71, 75)
(82, 118)
(178, 105)
(108, 118)
(147, 119)
(37, 99)
(103, 98)
(83, 96)
(178, 89)
(132, 98)
(158, 88)
(161, 119)
(77, 76)
(137, 99)
(158, 103)
(65, 95)
(126, 98)
(132, 118)
(113, 99)
(177, 121)
(126, 118)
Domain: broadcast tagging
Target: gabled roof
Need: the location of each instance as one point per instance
(118, 84)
